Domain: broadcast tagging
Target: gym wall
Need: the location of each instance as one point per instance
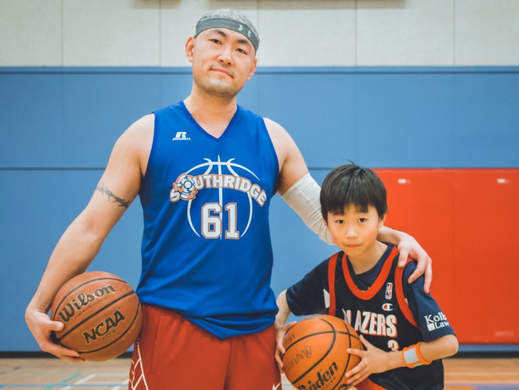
(425, 92)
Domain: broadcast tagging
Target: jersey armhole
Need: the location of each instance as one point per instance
(274, 154)
(332, 263)
(404, 306)
(152, 149)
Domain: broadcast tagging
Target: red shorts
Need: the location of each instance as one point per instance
(172, 353)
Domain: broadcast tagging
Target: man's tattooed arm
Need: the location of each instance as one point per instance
(114, 199)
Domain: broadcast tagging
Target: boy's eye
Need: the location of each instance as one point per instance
(339, 222)
(362, 220)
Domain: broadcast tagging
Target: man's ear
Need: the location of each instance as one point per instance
(190, 48)
(252, 69)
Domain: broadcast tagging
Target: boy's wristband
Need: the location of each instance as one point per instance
(412, 356)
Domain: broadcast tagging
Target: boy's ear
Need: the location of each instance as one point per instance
(381, 221)
(325, 221)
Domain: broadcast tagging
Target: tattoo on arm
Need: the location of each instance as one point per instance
(111, 197)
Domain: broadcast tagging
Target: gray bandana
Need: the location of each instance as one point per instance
(231, 19)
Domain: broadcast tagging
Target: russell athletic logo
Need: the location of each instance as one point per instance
(181, 136)
(226, 182)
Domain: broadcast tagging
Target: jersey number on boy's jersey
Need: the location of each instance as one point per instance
(212, 221)
(393, 345)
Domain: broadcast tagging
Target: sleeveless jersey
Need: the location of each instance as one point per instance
(206, 248)
(382, 315)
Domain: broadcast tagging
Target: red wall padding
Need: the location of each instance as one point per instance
(467, 220)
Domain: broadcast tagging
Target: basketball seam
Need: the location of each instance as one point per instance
(319, 333)
(92, 315)
(81, 285)
(323, 357)
(121, 336)
(346, 332)
(348, 358)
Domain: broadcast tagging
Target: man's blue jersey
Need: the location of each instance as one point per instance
(382, 306)
(206, 248)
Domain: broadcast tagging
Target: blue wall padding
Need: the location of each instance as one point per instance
(58, 126)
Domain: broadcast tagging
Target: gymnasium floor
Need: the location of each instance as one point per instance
(53, 374)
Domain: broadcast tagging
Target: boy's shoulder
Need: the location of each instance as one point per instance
(321, 270)
(409, 268)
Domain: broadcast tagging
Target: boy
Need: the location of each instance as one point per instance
(403, 329)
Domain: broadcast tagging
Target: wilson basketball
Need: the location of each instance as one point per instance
(101, 314)
(316, 356)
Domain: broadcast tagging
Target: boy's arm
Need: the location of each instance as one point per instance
(440, 348)
(375, 360)
(281, 327)
(284, 311)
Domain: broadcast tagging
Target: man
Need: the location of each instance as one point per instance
(205, 170)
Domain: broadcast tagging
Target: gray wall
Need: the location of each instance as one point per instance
(293, 33)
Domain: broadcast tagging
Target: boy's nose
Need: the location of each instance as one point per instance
(351, 232)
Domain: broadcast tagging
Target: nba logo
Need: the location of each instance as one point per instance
(389, 290)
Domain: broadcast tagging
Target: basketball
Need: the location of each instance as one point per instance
(101, 314)
(316, 356)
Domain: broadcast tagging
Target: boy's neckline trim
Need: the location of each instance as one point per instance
(379, 282)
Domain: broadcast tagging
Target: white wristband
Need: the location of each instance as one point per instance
(412, 356)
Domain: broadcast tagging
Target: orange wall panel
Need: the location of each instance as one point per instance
(467, 221)
(487, 254)
(421, 203)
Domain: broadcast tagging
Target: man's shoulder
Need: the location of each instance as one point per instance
(180, 105)
(274, 128)
(137, 138)
(142, 127)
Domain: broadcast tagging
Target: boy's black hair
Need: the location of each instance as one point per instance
(351, 185)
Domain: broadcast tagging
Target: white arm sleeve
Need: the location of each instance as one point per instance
(303, 198)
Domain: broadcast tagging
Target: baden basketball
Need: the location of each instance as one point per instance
(316, 356)
(101, 314)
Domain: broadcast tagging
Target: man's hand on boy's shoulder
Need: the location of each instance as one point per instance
(409, 247)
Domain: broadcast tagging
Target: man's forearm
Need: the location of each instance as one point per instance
(392, 236)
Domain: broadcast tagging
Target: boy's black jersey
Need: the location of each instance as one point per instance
(379, 310)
